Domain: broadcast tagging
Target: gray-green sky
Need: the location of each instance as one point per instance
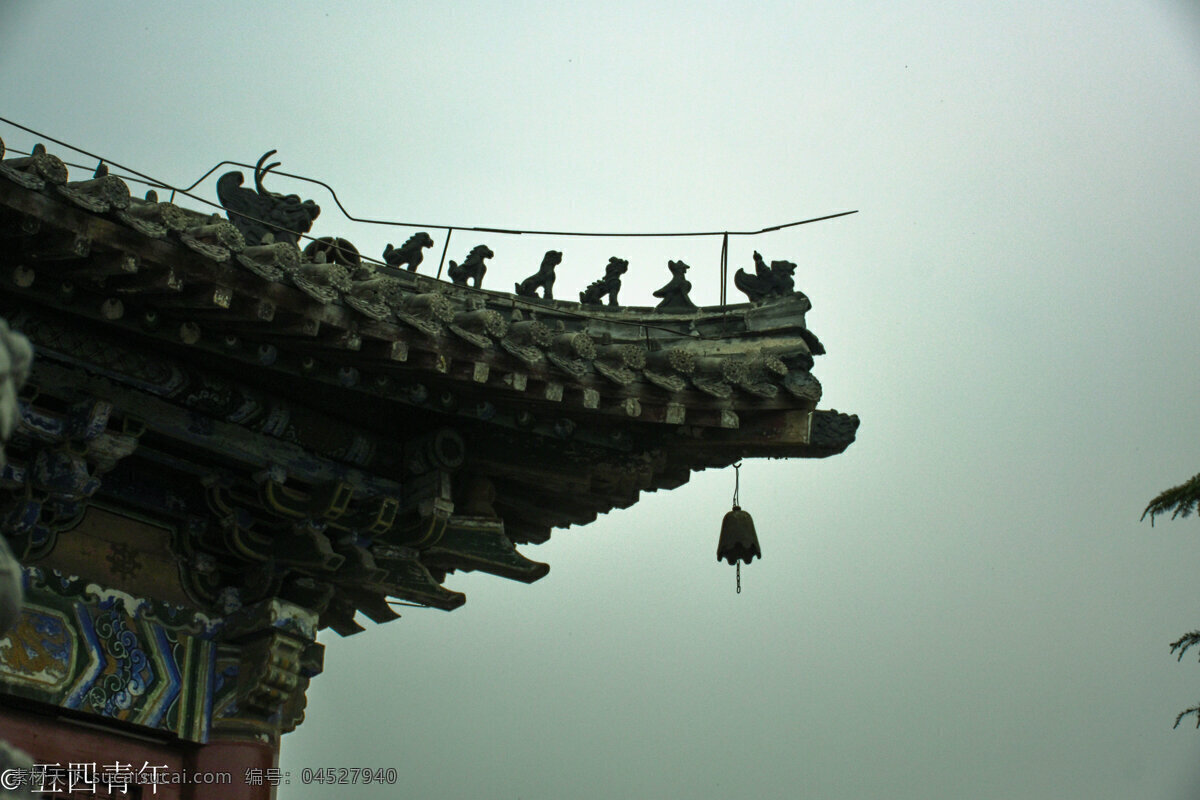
(964, 604)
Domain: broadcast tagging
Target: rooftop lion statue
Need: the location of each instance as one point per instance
(410, 253)
(472, 266)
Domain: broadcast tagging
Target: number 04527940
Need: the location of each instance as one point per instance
(348, 775)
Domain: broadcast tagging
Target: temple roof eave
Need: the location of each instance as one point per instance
(210, 294)
(295, 401)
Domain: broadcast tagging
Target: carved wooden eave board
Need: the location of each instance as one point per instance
(337, 439)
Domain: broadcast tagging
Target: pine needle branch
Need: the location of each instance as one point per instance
(1193, 710)
(1184, 642)
(1180, 500)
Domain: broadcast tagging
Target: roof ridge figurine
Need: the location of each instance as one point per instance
(609, 285)
(409, 253)
(773, 281)
(675, 294)
(544, 277)
(472, 266)
(256, 213)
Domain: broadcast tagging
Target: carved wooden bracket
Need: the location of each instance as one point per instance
(267, 656)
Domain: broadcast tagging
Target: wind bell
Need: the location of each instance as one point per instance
(738, 542)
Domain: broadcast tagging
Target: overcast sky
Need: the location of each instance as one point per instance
(962, 605)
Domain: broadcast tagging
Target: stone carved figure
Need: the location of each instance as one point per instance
(675, 294)
(773, 281)
(410, 253)
(257, 213)
(472, 266)
(333, 250)
(609, 285)
(544, 277)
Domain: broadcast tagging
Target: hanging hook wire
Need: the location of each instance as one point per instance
(737, 485)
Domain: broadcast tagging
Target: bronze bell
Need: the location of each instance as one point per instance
(738, 542)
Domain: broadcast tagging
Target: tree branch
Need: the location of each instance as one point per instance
(1180, 500)
(1193, 710)
(1184, 642)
